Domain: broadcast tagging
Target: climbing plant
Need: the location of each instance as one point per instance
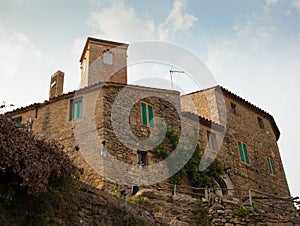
(190, 170)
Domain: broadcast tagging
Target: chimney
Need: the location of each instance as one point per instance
(56, 84)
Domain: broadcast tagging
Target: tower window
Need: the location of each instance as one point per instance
(260, 122)
(107, 58)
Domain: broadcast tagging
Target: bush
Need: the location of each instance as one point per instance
(28, 160)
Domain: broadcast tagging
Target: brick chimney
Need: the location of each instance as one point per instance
(56, 84)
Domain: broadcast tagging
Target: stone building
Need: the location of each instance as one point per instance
(249, 150)
(108, 127)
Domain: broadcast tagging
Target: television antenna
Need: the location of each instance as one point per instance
(171, 75)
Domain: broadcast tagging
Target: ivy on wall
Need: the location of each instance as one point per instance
(206, 178)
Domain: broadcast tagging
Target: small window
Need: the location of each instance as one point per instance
(76, 109)
(212, 141)
(260, 122)
(243, 152)
(233, 109)
(271, 166)
(107, 58)
(141, 158)
(18, 121)
(147, 114)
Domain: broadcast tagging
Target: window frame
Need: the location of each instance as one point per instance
(71, 109)
(105, 59)
(141, 158)
(243, 153)
(212, 142)
(148, 120)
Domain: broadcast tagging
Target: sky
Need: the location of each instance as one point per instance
(252, 47)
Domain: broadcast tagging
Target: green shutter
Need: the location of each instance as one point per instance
(73, 109)
(246, 154)
(79, 109)
(144, 113)
(271, 166)
(150, 114)
(18, 121)
(241, 151)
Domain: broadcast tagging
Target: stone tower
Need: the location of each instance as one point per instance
(103, 61)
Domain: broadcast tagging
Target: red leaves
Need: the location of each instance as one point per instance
(33, 160)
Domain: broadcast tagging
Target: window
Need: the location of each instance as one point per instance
(18, 121)
(76, 109)
(233, 109)
(212, 141)
(243, 152)
(260, 122)
(147, 114)
(141, 158)
(107, 58)
(271, 166)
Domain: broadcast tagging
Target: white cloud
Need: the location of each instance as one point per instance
(123, 23)
(270, 2)
(177, 20)
(16, 49)
(253, 32)
(296, 3)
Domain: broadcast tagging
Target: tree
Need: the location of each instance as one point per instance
(28, 160)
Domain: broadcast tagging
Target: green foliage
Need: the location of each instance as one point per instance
(202, 179)
(137, 199)
(117, 191)
(38, 208)
(7, 196)
(173, 137)
(199, 215)
(161, 151)
(205, 178)
(241, 212)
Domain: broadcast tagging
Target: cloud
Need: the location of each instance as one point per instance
(16, 49)
(270, 3)
(126, 25)
(177, 20)
(254, 32)
(296, 3)
(122, 23)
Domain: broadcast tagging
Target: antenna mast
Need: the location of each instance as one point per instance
(171, 75)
